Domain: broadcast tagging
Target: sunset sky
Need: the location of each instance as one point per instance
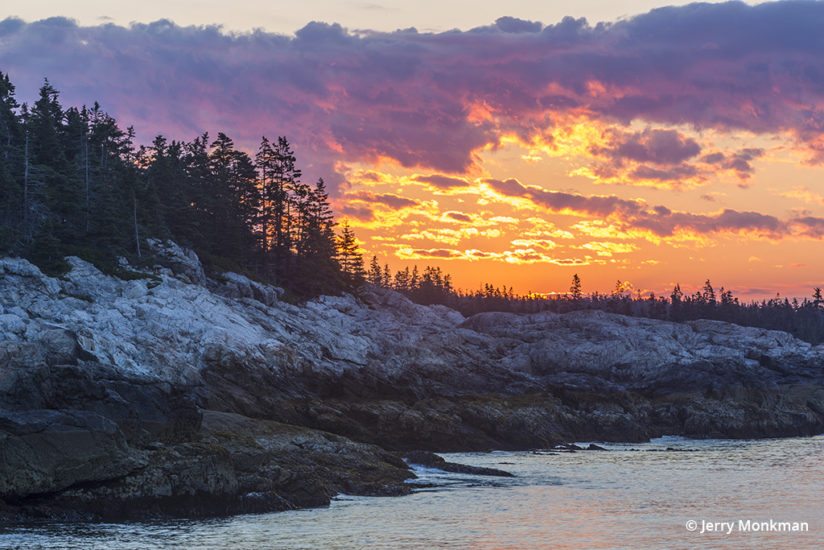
(513, 143)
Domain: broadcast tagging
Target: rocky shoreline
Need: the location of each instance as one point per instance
(179, 395)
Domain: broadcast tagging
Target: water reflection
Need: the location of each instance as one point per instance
(634, 496)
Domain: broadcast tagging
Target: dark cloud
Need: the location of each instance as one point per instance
(669, 173)
(442, 182)
(570, 261)
(559, 201)
(714, 158)
(515, 25)
(726, 221)
(510, 187)
(436, 253)
(636, 214)
(656, 146)
(359, 212)
(739, 161)
(395, 202)
(370, 175)
(481, 255)
(458, 216)
(811, 226)
(409, 96)
(666, 156)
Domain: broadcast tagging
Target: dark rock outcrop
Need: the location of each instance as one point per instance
(45, 451)
(180, 395)
(81, 441)
(431, 460)
(234, 465)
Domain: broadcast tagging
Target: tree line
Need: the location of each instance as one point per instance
(803, 319)
(73, 182)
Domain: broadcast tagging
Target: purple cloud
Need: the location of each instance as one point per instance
(811, 226)
(410, 96)
(458, 216)
(740, 161)
(656, 146)
(658, 219)
(558, 200)
(442, 182)
(358, 212)
(670, 173)
(389, 200)
(436, 253)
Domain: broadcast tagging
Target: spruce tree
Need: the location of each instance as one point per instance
(349, 257)
(375, 275)
(11, 167)
(317, 270)
(575, 288)
(264, 162)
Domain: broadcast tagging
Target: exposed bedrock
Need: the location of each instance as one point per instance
(179, 394)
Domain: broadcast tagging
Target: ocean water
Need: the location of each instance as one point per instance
(634, 496)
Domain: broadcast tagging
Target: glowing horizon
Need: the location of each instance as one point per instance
(674, 146)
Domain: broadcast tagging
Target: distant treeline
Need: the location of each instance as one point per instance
(803, 319)
(72, 182)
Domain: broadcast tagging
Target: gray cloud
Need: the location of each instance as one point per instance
(407, 95)
(442, 182)
(395, 202)
(660, 220)
(656, 146)
(458, 216)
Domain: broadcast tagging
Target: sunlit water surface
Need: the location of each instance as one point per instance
(634, 496)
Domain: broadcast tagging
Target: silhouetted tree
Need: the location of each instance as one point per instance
(708, 294)
(375, 274)
(11, 167)
(575, 288)
(349, 257)
(72, 182)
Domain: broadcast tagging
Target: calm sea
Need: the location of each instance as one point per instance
(633, 496)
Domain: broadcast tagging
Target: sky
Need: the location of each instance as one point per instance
(513, 143)
(287, 16)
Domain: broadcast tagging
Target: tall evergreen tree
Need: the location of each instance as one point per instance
(708, 293)
(349, 256)
(11, 167)
(234, 199)
(375, 274)
(401, 282)
(264, 162)
(317, 270)
(72, 182)
(285, 176)
(53, 205)
(575, 288)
